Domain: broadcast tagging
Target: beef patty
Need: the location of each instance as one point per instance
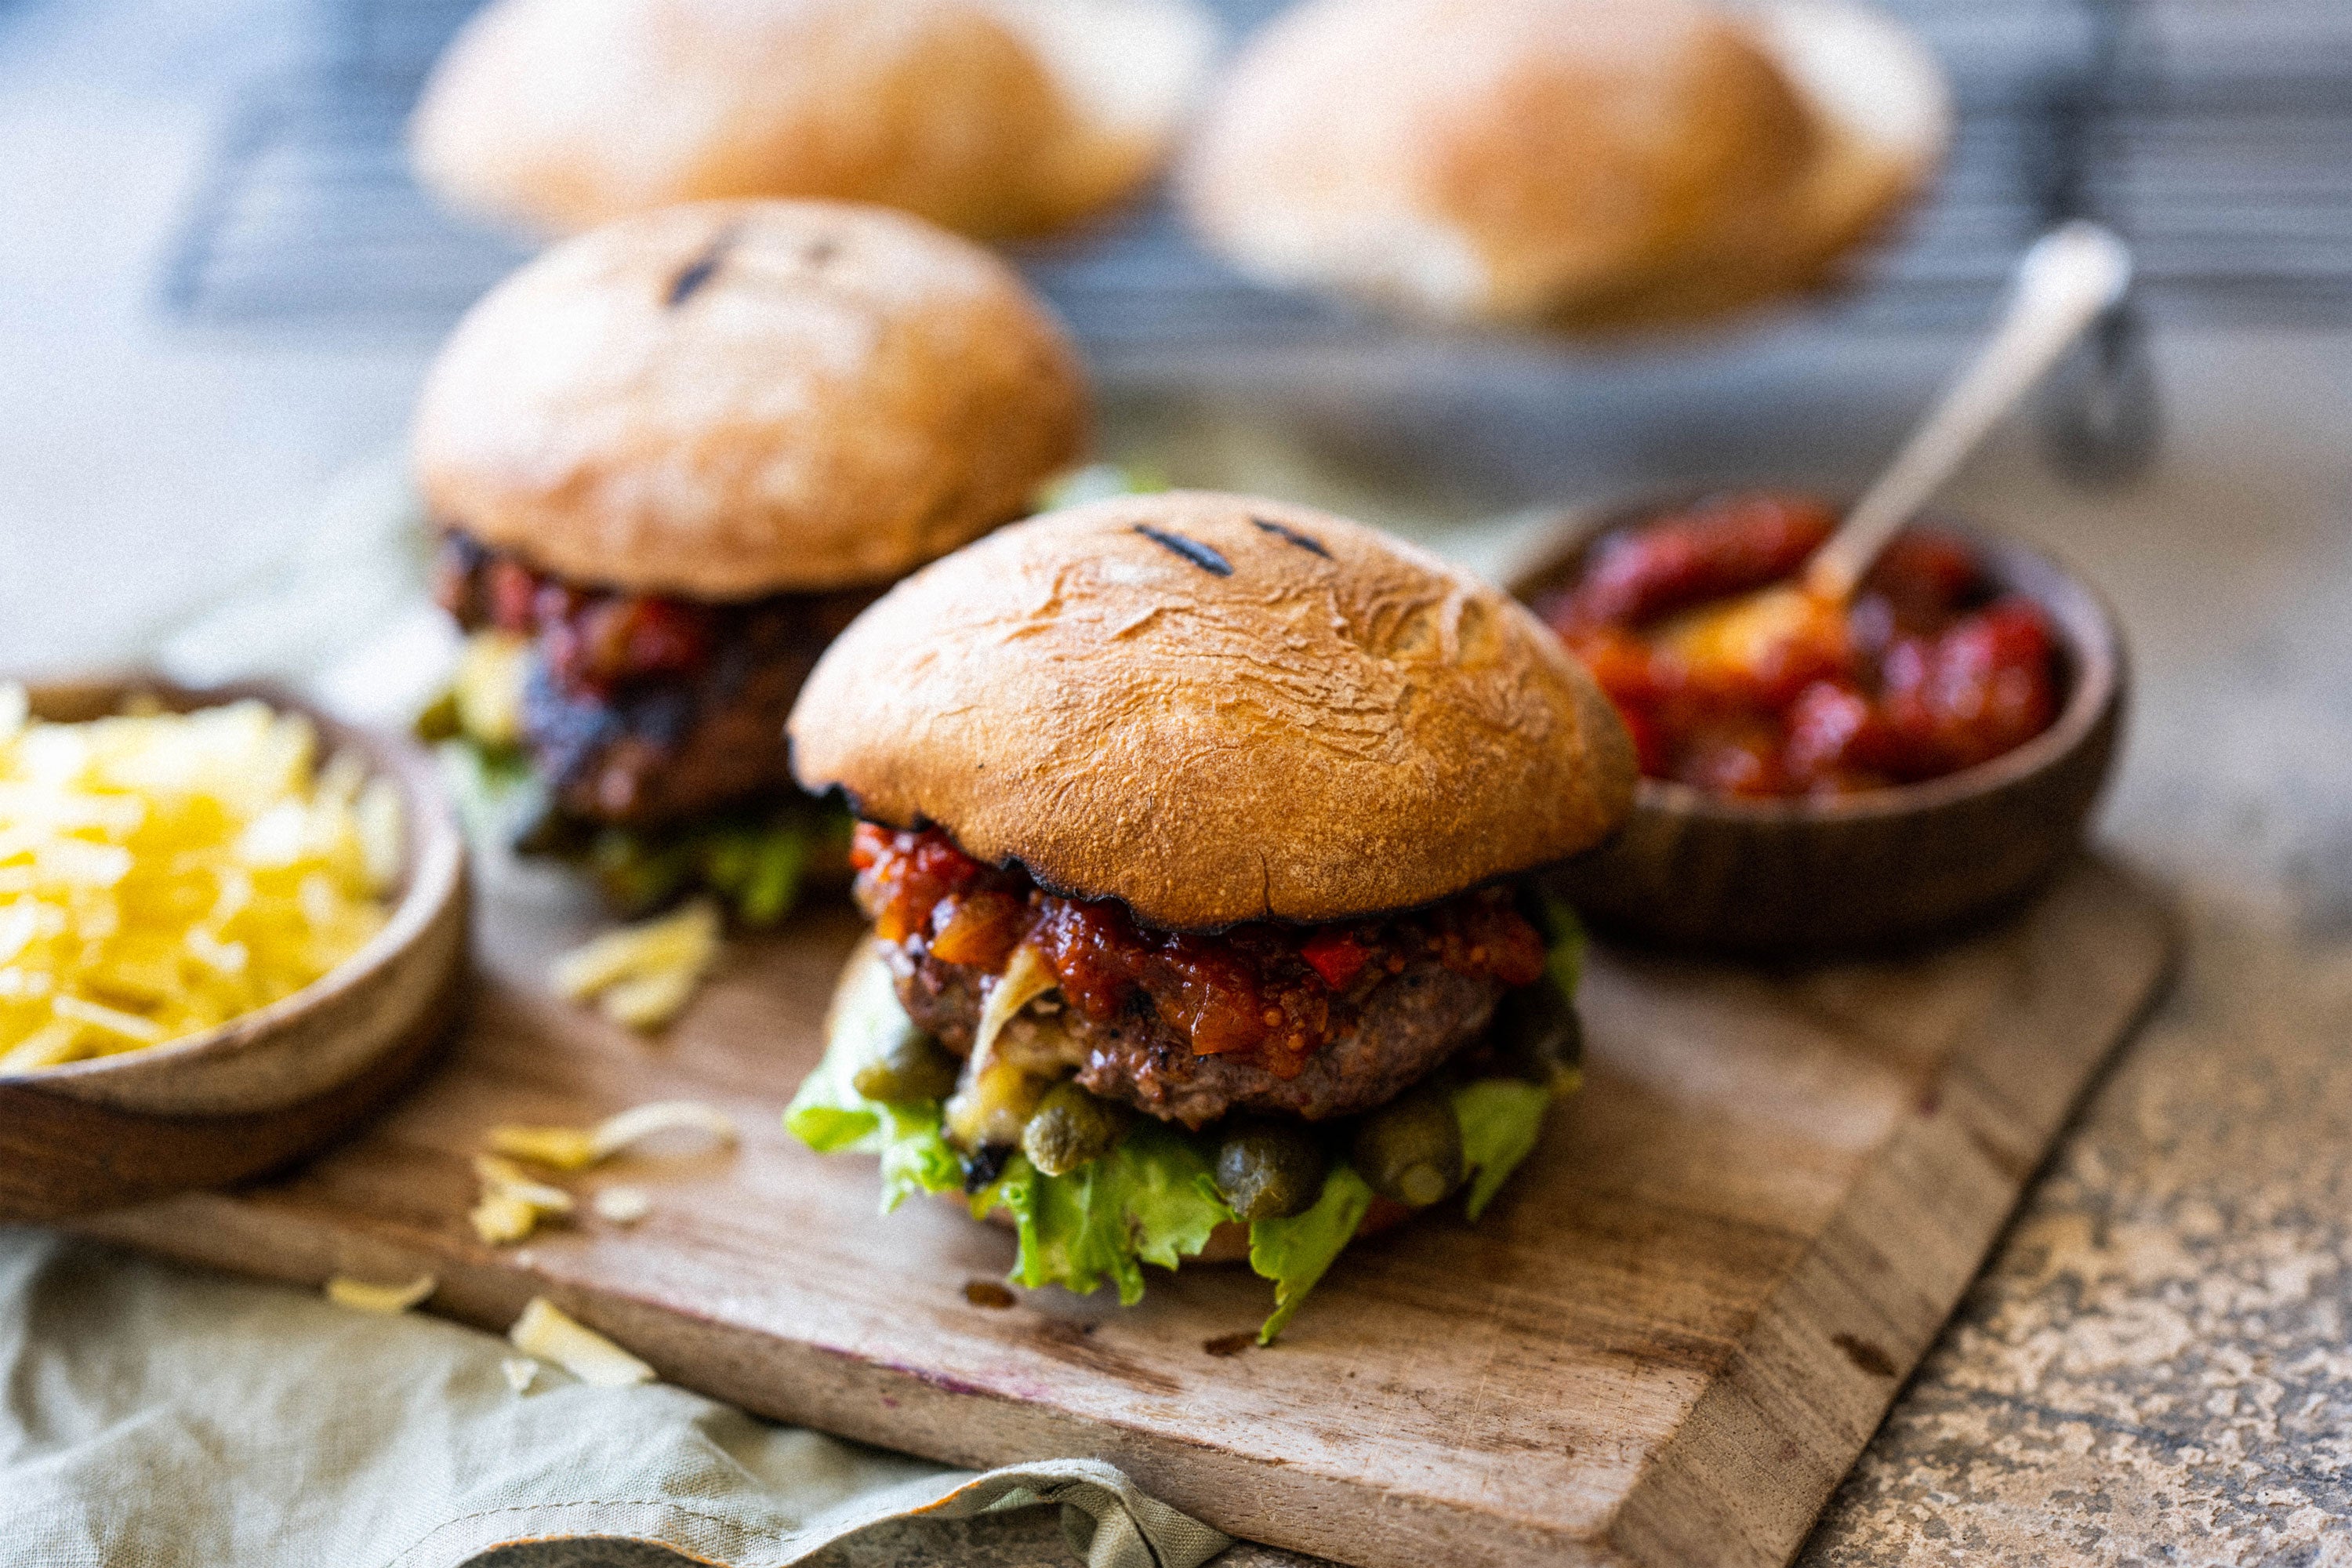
(643, 710)
(1405, 1025)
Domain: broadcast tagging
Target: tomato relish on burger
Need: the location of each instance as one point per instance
(1199, 836)
(670, 461)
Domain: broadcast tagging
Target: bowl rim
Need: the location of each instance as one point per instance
(435, 869)
(2100, 664)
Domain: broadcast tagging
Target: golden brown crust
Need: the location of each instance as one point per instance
(991, 117)
(1883, 118)
(740, 398)
(1484, 160)
(1576, 164)
(1266, 712)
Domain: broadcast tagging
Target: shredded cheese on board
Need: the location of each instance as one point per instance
(546, 1333)
(577, 1148)
(642, 977)
(346, 1291)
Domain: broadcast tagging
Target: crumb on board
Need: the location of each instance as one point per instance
(545, 1332)
(641, 977)
(622, 1205)
(577, 1148)
(346, 1291)
(511, 1203)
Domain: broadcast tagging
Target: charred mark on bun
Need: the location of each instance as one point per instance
(1191, 549)
(1305, 542)
(702, 268)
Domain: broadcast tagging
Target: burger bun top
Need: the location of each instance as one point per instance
(1217, 709)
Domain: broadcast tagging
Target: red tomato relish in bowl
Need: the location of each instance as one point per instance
(1272, 994)
(1930, 670)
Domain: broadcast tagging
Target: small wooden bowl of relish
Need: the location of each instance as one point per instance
(1841, 782)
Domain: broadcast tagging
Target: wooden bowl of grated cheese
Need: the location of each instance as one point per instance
(229, 925)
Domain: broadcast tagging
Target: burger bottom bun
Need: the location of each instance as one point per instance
(1229, 1242)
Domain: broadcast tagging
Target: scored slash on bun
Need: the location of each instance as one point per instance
(1582, 164)
(1217, 709)
(733, 399)
(991, 116)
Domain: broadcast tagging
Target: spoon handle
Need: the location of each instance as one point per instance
(2071, 274)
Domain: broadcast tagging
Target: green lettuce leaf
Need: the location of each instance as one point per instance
(1153, 1198)
(830, 1116)
(498, 793)
(917, 1156)
(1150, 1200)
(1294, 1252)
(827, 1113)
(1098, 481)
(756, 859)
(1501, 1118)
(1566, 957)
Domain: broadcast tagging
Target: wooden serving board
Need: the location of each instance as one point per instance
(1664, 1342)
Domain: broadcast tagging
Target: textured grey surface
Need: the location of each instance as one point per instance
(2155, 1368)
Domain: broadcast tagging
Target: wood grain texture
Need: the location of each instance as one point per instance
(1663, 1345)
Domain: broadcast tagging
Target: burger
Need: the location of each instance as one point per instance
(1202, 837)
(667, 462)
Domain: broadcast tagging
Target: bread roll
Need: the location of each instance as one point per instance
(1571, 163)
(732, 399)
(991, 117)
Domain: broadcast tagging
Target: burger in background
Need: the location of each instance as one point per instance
(1198, 839)
(669, 461)
(1575, 164)
(994, 118)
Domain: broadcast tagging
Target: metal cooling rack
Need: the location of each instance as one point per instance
(2226, 163)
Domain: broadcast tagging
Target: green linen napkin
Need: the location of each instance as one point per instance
(157, 1416)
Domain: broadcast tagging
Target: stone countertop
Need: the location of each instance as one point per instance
(2154, 1366)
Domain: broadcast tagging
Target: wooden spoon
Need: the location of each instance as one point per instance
(2071, 275)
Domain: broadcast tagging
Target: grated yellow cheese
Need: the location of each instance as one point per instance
(577, 1148)
(548, 1333)
(346, 1291)
(511, 1203)
(622, 1205)
(160, 874)
(642, 975)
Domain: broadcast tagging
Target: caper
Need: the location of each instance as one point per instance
(1269, 1169)
(438, 721)
(535, 825)
(910, 1065)
(1537, 1033)
(773, 879)
(725, 860)
(636, 874)
(1411, 1149)
(1071, 1128)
